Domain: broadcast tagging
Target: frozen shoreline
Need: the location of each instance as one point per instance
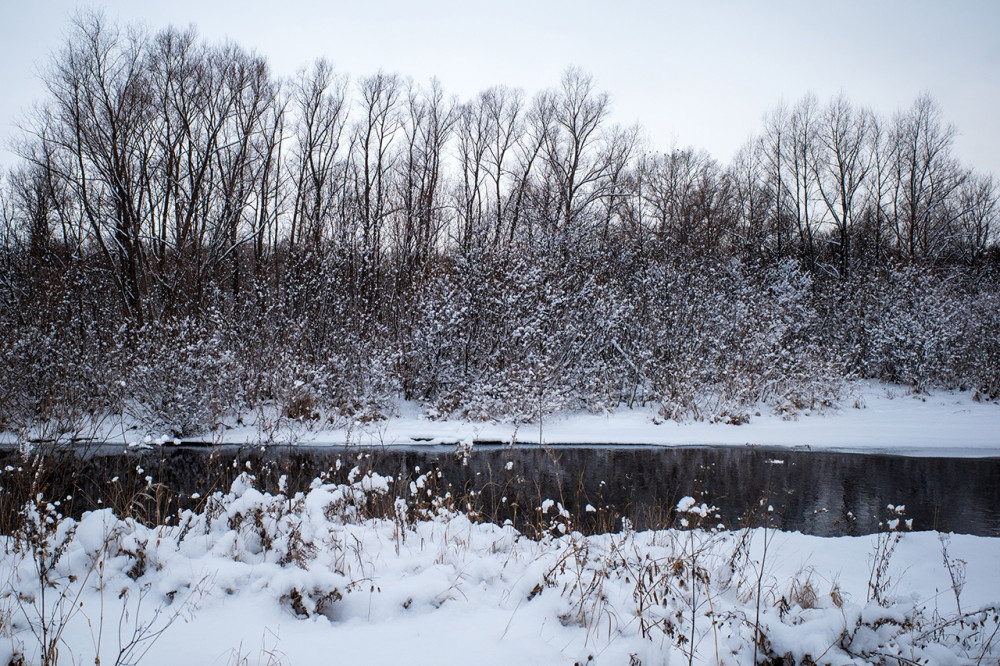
(890, 421)
(875, 418)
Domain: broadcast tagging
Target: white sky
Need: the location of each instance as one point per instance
(698, 73)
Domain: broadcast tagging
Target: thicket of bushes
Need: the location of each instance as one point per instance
(488, 337)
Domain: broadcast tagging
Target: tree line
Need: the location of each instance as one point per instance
(186, 237)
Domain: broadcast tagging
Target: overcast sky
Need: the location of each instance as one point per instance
(695, 73)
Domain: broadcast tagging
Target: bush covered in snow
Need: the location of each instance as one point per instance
(515, 337)
(343, 557)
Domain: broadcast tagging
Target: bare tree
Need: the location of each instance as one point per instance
(614, 194)
(575, 156)
(773, 146)
(101, 117)
(978, 217)
(319, 101)
(802, 146)
(489, 130)
(8, 227)
(504, 108)
(880, 189)
(689, 196)
(40, 199)
(371, 161)
(841, 163)
(474, 132)
(927, 176)
(529, 154)
(210, 104)
(248, 83)
(269, 192)
(428, 126)
(752, 201)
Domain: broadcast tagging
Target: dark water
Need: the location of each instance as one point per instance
(812, 492)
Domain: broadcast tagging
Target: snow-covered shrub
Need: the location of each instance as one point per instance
(727, 338)
(920, 326)
(183, 377)
(701, 339)
(918, 330)
(979, 366)
(360, 550)
(309, 355)
(484, 334)
(56, 383)
(495, 339)
(59, 363)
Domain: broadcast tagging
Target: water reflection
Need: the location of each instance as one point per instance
(813, 492)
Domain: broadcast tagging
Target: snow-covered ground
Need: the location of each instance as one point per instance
(260, 579)
(873, 418)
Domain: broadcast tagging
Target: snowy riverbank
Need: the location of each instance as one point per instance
(886, 419)
(261, 579)
(874, 418)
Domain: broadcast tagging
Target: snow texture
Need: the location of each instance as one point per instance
(309, 579)
(880, 419)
